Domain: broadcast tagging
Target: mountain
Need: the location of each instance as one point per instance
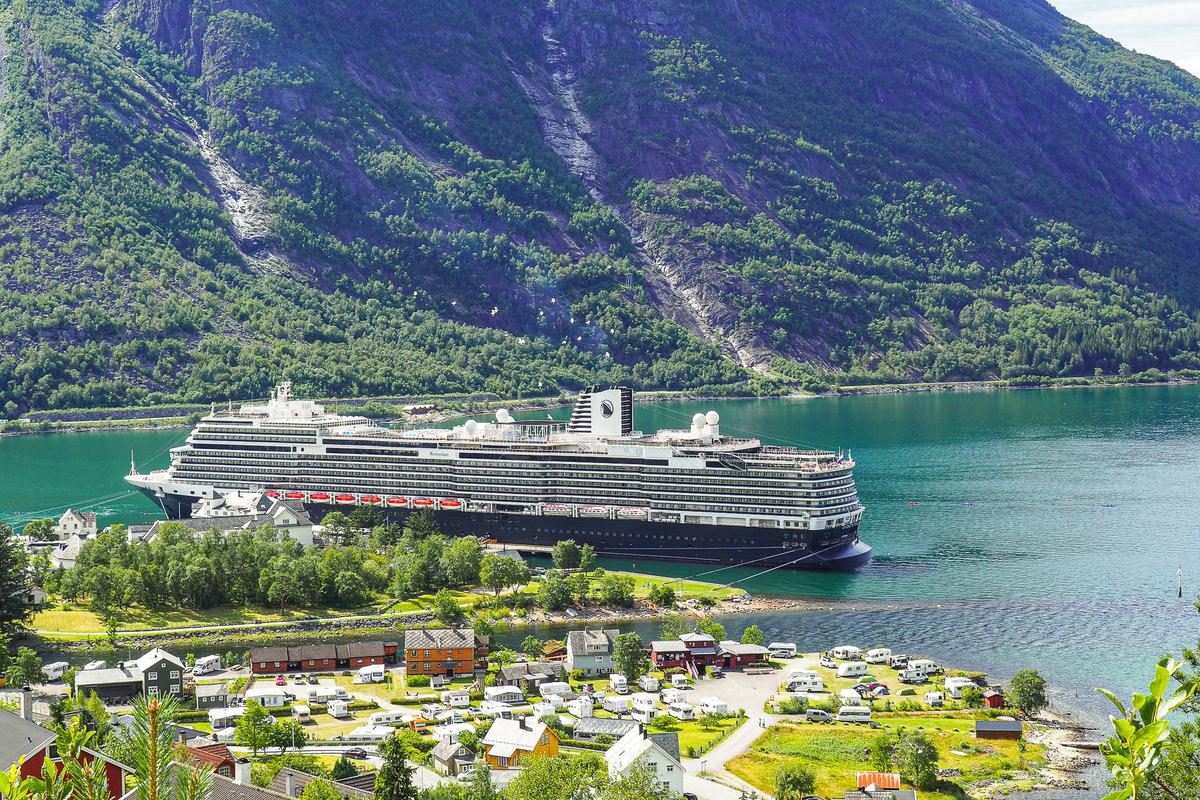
(202, 196)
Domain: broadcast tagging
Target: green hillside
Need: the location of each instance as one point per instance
(372, 198)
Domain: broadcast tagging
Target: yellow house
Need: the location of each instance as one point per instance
(510, 740)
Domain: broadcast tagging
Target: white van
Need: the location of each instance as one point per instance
(615, 704)
(618, 683)
(912, 676)
(580, 707)
(859, 714)
(852, 669)
(877, 655)
(55, 669)
(679, 680)
(925, 665)
(642, 701)
(206, 664)
(806, 683)
(673, 695)
(934, 699)
(955, 684)
(683, 711)
(390, 718)
(782, 649)
(846, 652)
(849, 697)
(648, 683)
(320, 695)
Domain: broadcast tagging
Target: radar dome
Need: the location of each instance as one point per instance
(712, 418)
(698, 420)
(502, 415)
(471, 427)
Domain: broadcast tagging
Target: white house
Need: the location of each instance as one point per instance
(66, 553)
(591, 651)
(503, 694)
(76, 523)
(287, 517)
(658, 751)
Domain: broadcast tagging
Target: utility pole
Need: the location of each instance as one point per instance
(1179, 575)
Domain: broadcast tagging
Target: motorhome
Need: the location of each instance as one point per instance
(713, 705)
(457, 698)
(806, 683)
(206, 664)
(925, 665)
(681, 710)
(55, 670)
(372, 733)
(782, 649)
(643, 715)
(560, 688)
(338, 709)
(580, 707)
(934, 699)
(648, 683)
(372, 673)
(850, 697)
(93, 665)
(852, 669)
(877, 655)
(390, 718)
(846, 652)
(672, 695)
(320, 695)
(302, 713)
(615, 704)
(955, 684)
(643, 700)
(856, 714)
(898, 661)
(496, 708)
(679, 680)
(618, 684)
(912, 676)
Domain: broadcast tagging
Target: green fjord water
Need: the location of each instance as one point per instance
(1049, 528)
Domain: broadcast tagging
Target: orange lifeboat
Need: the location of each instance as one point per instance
(319, 497)
(344, 498)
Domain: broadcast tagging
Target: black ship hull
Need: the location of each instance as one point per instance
(834, 548)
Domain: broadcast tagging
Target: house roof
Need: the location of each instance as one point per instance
(506, 736)
(992, 693)
(360, 650)
(222, 788)
(69, 550)
(743, 649)
(107, 677)
(363, 780)
(212, 689)
(668, 646)
(880, 780)
(603, 726)
(667, 742)
(630, 747)
(440, 638)
(156, 655)
(212, 755)
(697, 637)
(577, 641)
(1010, 725)
(302, 779)
(514, 671)
(446, 749)
(260, 654)
(19, 737)
(313, 652)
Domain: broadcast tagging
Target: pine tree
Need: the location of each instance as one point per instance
(394, 781)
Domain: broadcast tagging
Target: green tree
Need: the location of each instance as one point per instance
(662, 595)
(555, 593)
(342, 768)
(617, 590)
(883, 753)
(711, 627)
(461, 560)
(629, 657)
(394, 780)
(339, 527)
(532, 646)
(498, 572)
(559, 776)
(153, 734)
(711, 721)
(587, 557)
(283, 590)
(421, 525)
(794, 781)
(15, 606)
(672, 626)
(481, 786)
(565, 554)
(752, 635)
(287, 734)
(25, 669)
(638, 783)
(1027, 691)
(320, 789)
(446, 608)
(972, 696)
(917, 758)
(254, 729)
(41, 530)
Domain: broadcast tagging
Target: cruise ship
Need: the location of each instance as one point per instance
(693, 494)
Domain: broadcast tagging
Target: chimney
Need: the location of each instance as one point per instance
(182, 736)
(521, 721)
(241, 771)
(27, 703)
(289, 783)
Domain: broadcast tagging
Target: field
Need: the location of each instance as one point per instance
(836, 752)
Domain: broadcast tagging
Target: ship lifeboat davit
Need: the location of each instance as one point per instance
(294, 496)
(370, 498)
(593, 511)
(397, 501)
(451, 503)
(319, 497)
(344, 498)
(557, 509)
(272, 493)
(422, 502)
(631, 513)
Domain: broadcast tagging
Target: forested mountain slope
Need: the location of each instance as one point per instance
(202, 196)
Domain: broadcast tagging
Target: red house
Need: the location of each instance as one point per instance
(699, 650)
(28, 744)
(360, 654)
(312, 657)
(993, 699)
(215, 756)
(268, 660)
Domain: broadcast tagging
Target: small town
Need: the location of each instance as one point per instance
(706, 710)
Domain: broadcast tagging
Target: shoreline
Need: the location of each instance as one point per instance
(112, 423)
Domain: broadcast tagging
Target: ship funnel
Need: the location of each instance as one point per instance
(603, 412)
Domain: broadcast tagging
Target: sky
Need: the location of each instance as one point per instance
(1167, 29)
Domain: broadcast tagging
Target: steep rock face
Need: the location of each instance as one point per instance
(452, 194)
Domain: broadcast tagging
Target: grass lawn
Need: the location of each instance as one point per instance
(683, 588)
(324, 726)
(836, 752)
(692, 735)
(380, 691)
(82, 620)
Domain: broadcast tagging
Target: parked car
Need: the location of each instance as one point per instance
(298, 680)
(817, 715)
(280, 680)
(828, 662)
(898, 661)
(355, 752)
(313, 680)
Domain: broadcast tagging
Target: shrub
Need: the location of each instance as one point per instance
(416, 680)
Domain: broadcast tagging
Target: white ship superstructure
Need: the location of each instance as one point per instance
(694, 493)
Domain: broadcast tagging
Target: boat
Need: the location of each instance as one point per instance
(696, 493)
(272, 493)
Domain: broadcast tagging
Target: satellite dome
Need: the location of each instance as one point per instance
(502, 415)
(471, 427)
(698, 420)
(712, 418)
